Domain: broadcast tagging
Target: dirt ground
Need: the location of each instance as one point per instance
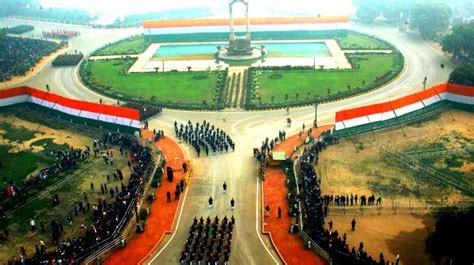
(391, 234)
(357, 165)
(58, 136)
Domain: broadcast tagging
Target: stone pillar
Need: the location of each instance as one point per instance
(248, 21)
(231, 29)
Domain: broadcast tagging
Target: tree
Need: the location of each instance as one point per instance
(431, 18)
(460, 42)
(368, 10)
(3, 32)
(450, 240)
(463, 75)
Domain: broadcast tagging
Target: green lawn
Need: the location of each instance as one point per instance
(179, 87)
(133, 45)
(48, 143)
(355, 40)
(310, 83)
(16, 134)
(17, 166)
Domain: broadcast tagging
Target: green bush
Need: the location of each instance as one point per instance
(275, 76)
(200, 76)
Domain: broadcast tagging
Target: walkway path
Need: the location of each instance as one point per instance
(236, 85)
(290, 246)
(162, 214)
(106, 57)
(144, 58)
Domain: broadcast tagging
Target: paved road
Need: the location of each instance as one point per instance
(247, 129)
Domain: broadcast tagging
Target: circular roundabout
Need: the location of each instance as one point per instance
(302, 80)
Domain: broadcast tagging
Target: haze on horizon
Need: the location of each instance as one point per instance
(109, 10)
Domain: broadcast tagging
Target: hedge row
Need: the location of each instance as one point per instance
(20, 29)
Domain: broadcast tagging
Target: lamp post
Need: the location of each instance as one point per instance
(315, 123)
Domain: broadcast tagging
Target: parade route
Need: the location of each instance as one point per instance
(168, 225)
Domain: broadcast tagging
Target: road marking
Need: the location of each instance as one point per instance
(256, 225)
(177, 225)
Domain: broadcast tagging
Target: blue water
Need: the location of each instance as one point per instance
(203, 51)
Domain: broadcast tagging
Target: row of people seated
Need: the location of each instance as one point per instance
(19, 55)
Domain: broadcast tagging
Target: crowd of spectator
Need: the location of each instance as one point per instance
(263, 154)
(61, 34)
(267, 146)
(19, 55)
(146, 111)
(314, 204)
(204, 136)
(107, 216)
(352, 200)
(209, 242)
(15, 194)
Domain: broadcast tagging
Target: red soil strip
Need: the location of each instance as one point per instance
(289, 144)
(162, 214)
(289, 246)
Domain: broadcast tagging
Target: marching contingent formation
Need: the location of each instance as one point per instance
(209, 242)
(61, 34)
(204, 137)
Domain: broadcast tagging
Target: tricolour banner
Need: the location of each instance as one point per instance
(456, 94)
(97, 114)
(208, 25)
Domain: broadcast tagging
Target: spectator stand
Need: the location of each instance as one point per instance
(19, 55)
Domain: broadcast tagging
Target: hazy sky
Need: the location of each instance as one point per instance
(113, 8)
